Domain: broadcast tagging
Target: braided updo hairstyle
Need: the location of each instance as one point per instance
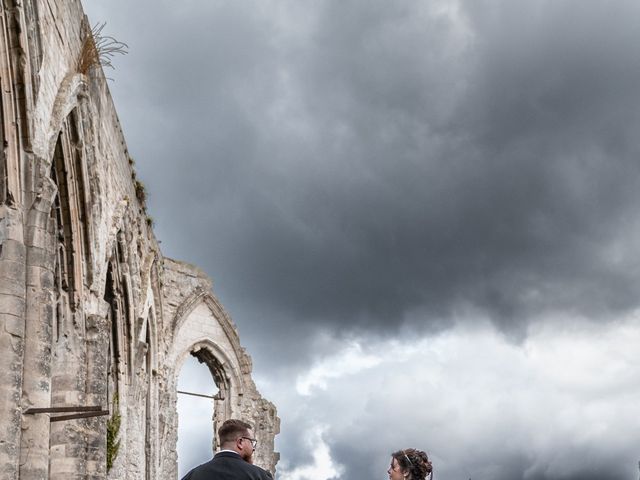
(415, 462)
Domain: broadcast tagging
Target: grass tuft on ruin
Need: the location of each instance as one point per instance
(99, 49)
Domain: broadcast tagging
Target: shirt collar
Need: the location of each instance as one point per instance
(226, 450)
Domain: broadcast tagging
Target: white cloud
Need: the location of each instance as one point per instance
(476, 401)
(472, 399)
(347, 362)
(323, 466)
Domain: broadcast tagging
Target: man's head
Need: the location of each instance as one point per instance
(237, 435)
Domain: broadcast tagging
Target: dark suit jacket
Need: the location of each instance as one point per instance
(227, 466)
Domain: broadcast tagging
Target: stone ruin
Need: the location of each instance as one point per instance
(93, 318)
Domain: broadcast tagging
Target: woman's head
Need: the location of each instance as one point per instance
(409, 464)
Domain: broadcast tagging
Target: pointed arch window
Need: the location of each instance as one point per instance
(70, 222)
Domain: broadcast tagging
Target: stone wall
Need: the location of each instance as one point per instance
(91, 313)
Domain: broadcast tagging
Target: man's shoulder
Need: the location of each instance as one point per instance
(259, 472)
(240, 463)
(228, 465)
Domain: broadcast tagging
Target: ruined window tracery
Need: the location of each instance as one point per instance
(64, 281)
(11, 110)
(70, 220)
(77, 156)
(116, 295)
(113, 368)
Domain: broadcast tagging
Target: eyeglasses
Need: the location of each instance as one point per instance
(253, 441)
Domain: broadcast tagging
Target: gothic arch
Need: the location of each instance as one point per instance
(202, 296)
(49, 121)
(216, 360)
(227, 367)
(200, 327)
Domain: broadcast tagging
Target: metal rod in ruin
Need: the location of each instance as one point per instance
(196, 394)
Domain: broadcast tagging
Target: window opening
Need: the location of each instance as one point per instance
(63, 237)
(195, 415)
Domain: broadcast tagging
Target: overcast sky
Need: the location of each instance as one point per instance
(422, 216)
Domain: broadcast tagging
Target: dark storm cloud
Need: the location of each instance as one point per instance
(497, 175)
(354, 163)
(357, 168)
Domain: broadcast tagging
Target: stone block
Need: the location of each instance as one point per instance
(10, 224)
(46, 279)
(65, 382)
(12, 271)
(12, 305)
(13, 250)
(12, 287)
(13, 325)
(36, 236)
(64, 468)
(96, 468)
(39, 256)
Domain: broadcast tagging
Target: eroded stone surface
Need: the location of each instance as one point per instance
(91, 312)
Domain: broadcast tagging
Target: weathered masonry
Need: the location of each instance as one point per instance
(94, 322)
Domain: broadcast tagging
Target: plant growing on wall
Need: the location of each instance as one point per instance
(99, 49)
(141, 192)
(113, 429)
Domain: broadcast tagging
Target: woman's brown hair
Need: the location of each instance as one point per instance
(416, 462)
